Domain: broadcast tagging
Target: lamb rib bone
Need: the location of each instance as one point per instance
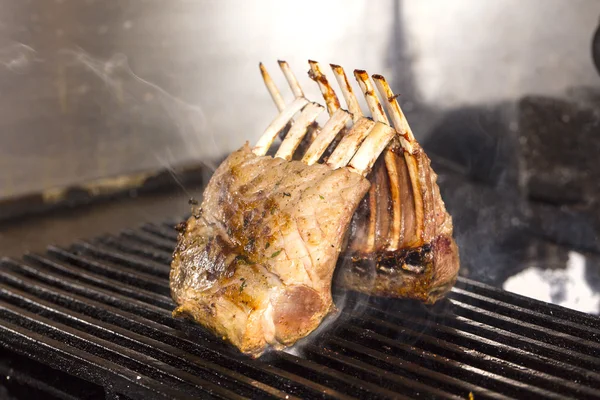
(368, 140)
(410, 197)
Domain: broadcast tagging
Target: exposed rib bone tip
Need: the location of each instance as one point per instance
(316, 74)
(275, 95)
(291, 78)
(372, 100)
(396, 114)
(390, 97)
(361, 73)
(347, 92)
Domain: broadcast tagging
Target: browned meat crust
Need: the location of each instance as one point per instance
(254, 263)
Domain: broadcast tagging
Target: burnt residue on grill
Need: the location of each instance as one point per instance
(100, 312)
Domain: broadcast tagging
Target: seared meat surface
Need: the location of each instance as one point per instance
(254, 263)
(421, 260)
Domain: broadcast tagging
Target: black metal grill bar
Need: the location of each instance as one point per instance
(576, 331)
(473, 344)
(401, 367)
(446, 365)
(325, 375)
(418, 350)
(368, 372)
(129, 260)
(561, 352)
(165, 245)
(504, 371)
(144, 365)
(109, 269)
(82, 364)
(130, 246)
(39, 381)
(551, 310)
(122, 313)
(292, 383)
(345, 382)
(169, 307)
(100, 281)
(516, 369)
(47, 391)
(464, 330)
(145, 248)
(519, 356)
(527, 329)
(521, 343)
(116, 286)
(163, 231)
(195, 365)
(109, 298)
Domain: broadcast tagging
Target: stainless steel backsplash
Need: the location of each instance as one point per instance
(90, 89)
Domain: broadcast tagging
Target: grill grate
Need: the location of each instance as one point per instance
(99, 312)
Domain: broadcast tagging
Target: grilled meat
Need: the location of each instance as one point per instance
(255, 262)
(402, 243)
(420, 261)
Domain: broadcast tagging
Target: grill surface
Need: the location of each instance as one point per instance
(99, 314)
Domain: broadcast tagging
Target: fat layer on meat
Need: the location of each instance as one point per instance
(254, 263)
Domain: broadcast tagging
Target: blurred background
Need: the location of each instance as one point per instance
(114, 113)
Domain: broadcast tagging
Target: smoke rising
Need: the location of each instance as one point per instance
(18, 58)
(100, 117)
(136, 99)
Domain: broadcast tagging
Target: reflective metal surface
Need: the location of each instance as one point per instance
(95, 88)
(91, 89)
